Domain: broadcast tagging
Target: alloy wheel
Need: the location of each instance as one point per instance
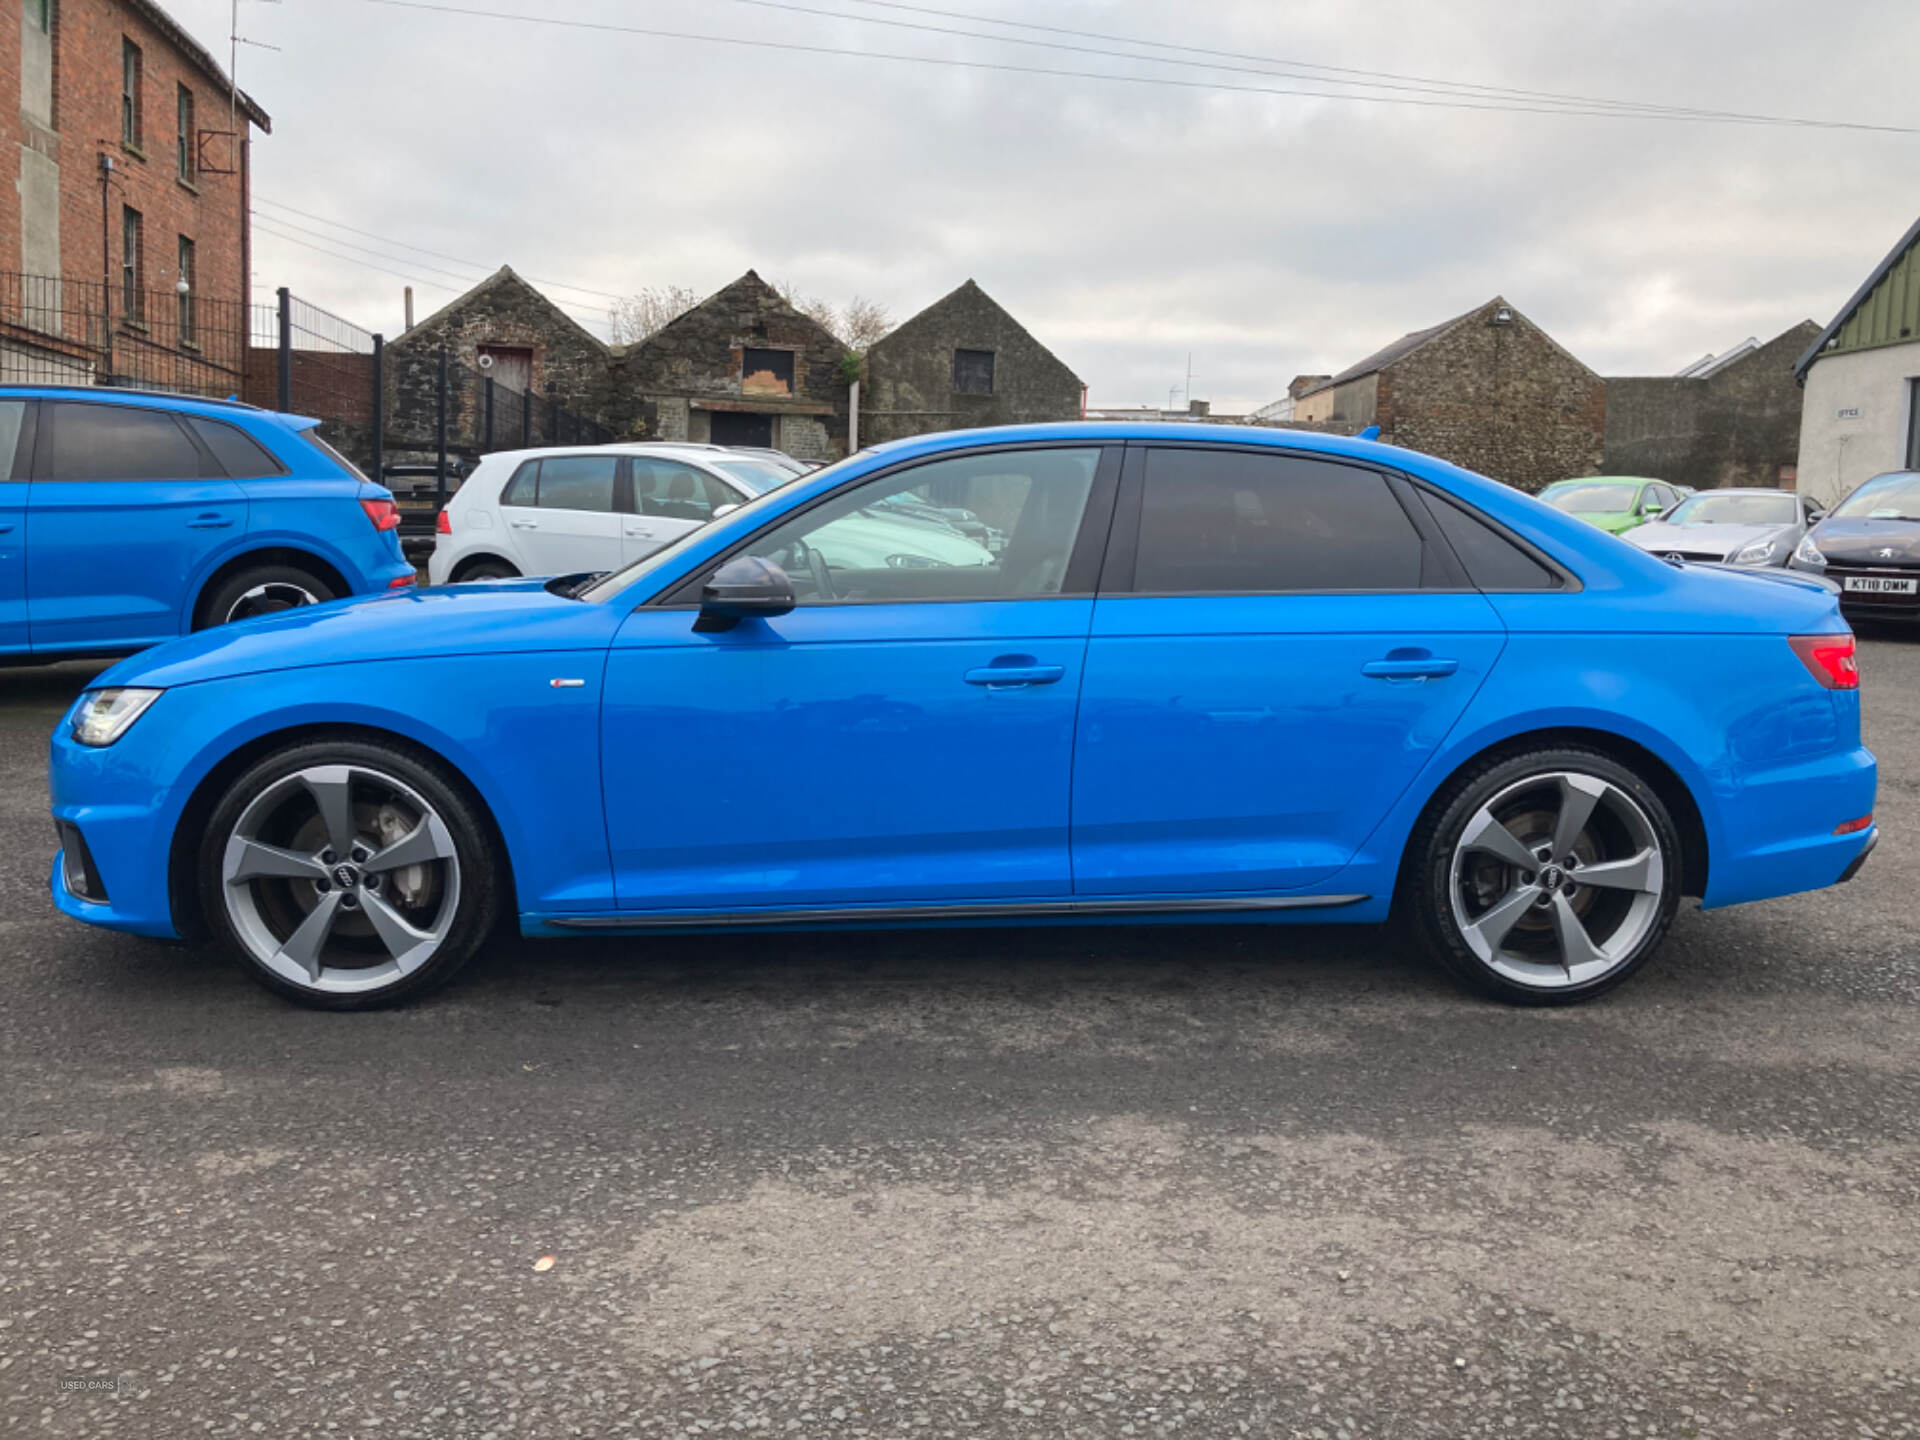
(1557, 880)
(341, 879)
(270, 599)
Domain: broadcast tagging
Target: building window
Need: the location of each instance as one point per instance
(187, 280)
(39, 15)
(766, 372)
(186, 134)
(133, 290)
(130, 93)
(1913, 425)
(973, 372)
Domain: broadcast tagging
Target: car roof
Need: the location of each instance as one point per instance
(95, 392)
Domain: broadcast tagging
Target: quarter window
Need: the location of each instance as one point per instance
(998, 526)
(1231, 522)
(239, 454)
(119, 442)
(13, 414)
(1493, 561)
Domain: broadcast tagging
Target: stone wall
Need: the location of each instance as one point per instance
(909, 386)
(1500, 399)
(1739, 426)
(675, 380)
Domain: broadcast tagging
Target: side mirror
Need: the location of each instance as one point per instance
(745, 586)
(1653, 512)
(724, 510)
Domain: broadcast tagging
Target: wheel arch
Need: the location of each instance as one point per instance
(1666, 782)
(183, 891)
(464, 566)
(322, 569)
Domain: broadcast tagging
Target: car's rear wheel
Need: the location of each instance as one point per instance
(261, 590)
(348, 874)
(1546, 878)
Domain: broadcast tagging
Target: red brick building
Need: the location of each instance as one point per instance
(130, 149)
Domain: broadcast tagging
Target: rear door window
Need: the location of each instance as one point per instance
(674, 491)
(118, 442)
(1230, 522)
(243, 457)
(578, 482)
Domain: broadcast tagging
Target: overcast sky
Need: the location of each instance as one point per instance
(1125, 224)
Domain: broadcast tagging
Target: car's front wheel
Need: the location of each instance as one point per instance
(348, 874)
(1547, 877)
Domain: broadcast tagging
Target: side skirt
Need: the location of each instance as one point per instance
(922, 914)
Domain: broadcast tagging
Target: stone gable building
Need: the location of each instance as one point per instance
(743, 367)
(502, 330)
(1488, 390)
(961, 363)
(1731, 419)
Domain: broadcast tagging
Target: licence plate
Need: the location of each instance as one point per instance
(1877, 585)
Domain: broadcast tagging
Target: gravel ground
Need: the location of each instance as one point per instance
(1207, 1181)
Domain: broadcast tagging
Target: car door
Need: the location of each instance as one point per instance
(125, 510)
(669, 499)
(16, 471)
(903, 737)
(563, 514)
(1279, 644)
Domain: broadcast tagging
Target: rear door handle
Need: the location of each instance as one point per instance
(1008, 677)
(645, 532)
(1429, 667)
(525, 524)
(210, 522)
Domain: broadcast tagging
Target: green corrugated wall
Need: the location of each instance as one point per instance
(1890, 315)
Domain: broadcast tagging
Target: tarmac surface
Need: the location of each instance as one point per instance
(1166, 1180)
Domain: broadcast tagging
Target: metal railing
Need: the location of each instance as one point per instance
(59, 330)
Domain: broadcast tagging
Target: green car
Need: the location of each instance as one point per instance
(1616, 503)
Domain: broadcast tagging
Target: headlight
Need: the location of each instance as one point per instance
(103, 716)
(1758, 553)
(1809, 553)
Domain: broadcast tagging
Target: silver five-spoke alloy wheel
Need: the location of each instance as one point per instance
(1557, 880)
(340, 879)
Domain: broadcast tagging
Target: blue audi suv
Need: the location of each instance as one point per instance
(132, 517)
(1222, 675)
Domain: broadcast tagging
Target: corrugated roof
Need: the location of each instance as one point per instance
(1877, 328)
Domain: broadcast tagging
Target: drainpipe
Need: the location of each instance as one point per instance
(853, 417)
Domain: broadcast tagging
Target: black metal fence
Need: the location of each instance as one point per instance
(290, 356)
(58, 330)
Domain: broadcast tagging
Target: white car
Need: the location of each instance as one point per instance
(587, 508)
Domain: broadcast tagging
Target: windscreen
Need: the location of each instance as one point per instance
(1591, 499)
(1895, 499)
(1779, 509)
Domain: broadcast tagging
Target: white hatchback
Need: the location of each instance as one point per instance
(568, 510)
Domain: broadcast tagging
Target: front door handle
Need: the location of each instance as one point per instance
(1015, 671)
(1410, 667)
(210, 522)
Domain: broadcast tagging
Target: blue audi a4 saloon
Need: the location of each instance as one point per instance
(1046, 674)
(130, 517)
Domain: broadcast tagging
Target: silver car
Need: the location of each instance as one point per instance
(1733, 527)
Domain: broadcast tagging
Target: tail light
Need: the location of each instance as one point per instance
(1829, 659)
(384, 514)
(1854, 827)
(443, 524)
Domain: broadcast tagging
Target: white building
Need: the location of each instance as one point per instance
(1860, 416)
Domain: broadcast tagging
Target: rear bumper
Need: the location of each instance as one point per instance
(1778, 839)
(1853, 868)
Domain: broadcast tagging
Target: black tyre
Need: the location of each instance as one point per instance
(260, 590)
(349, 874)
(1544, 878)
(487, 569)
